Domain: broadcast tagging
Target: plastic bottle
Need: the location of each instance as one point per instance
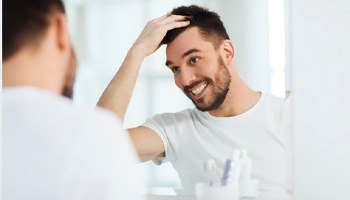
(249, 187)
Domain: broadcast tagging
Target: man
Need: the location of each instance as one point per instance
(53, 149)
(228, 115)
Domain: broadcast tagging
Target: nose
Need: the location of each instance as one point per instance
(186, 77)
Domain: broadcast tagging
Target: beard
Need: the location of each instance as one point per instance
(68, 91)
(220, 87)
(68, 86)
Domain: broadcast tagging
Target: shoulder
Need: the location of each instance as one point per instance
(165, 121)
(38, 106)
(274, 101)
(275, 104)
(175, 116)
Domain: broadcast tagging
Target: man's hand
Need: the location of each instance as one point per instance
(154, 32)
(116, 96)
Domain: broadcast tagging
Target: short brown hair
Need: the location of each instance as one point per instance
(209, 24)
(25, 21)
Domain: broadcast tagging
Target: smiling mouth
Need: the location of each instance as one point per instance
(199, 90)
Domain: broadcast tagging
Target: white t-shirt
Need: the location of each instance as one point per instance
(191, 137)
(53, 149)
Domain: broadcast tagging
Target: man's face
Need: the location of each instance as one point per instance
(70, 76)
(198, 69)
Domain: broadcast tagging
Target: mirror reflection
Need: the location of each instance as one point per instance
(102, 33)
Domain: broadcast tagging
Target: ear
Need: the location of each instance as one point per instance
(227, 51)
(62, 35)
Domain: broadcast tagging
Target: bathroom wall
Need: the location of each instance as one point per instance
(318, 56)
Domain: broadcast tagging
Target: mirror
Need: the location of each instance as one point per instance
(102, 32)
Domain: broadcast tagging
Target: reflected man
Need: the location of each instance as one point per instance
(228, 114)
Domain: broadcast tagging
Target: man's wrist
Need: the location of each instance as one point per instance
(137, 52)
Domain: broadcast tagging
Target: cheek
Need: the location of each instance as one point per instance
(177, 82)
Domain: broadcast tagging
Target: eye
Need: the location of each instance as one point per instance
(193, 60)
(175, 69)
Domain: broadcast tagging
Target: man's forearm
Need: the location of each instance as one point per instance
(117, 95)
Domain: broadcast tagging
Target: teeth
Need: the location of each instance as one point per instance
(199, 90)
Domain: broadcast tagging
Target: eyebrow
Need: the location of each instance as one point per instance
(188, 52)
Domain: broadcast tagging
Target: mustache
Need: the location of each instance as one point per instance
(187, 88)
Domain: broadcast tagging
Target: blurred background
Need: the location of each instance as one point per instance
(102, 31)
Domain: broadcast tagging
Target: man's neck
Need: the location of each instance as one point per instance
(239, 99)
(23, 70)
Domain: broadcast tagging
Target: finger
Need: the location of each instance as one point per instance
(180, 24)
(163, 17)
(174, 18)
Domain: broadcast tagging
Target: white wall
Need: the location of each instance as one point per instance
(320, 64)
(247, 24)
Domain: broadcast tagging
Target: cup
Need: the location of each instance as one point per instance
(216, 191)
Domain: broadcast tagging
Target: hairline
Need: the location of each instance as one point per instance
(208, 36)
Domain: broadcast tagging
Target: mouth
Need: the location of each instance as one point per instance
(198, 91)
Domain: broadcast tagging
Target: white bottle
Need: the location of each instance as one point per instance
(249, 187)
(237, 166)
(246, 166)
